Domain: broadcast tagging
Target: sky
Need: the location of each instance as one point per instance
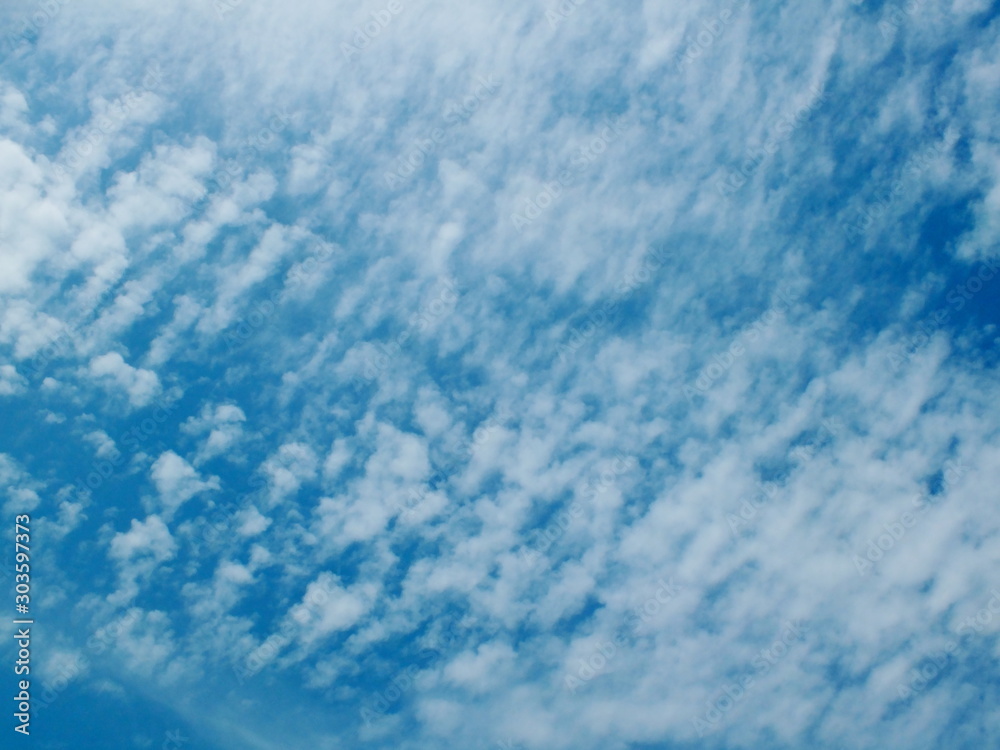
(502, 375)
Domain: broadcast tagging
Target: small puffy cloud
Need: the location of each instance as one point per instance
(163, 187)
(237, 279)
(252, 522)
(11, 382)
(141, 386)
(137, 552)
(393, 478)
(145, 540)
(328, 607)
(177, 481)
(102, 442)
(223, 426)
(147, 644)
(213, 598)
(233, 573)
(13, 108)
(33, 334)
(70, 516)
(66, 664)
(18, 486)
(337, 459)
(33, 226)
(288, 468)
(479, 670)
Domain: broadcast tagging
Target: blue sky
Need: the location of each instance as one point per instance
(504, 375)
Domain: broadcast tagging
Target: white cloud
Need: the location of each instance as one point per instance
(102, 442)
(141, 386)
(288, 468)
(137, 553)
(19, 487)
(253, 522)
(11, 382)
(327, 607)
(481, 670)
(224, 425)
(33, 225)
(177, 481)
(163, 257)
(145, 539)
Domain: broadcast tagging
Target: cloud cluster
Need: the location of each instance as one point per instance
(425, 446)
